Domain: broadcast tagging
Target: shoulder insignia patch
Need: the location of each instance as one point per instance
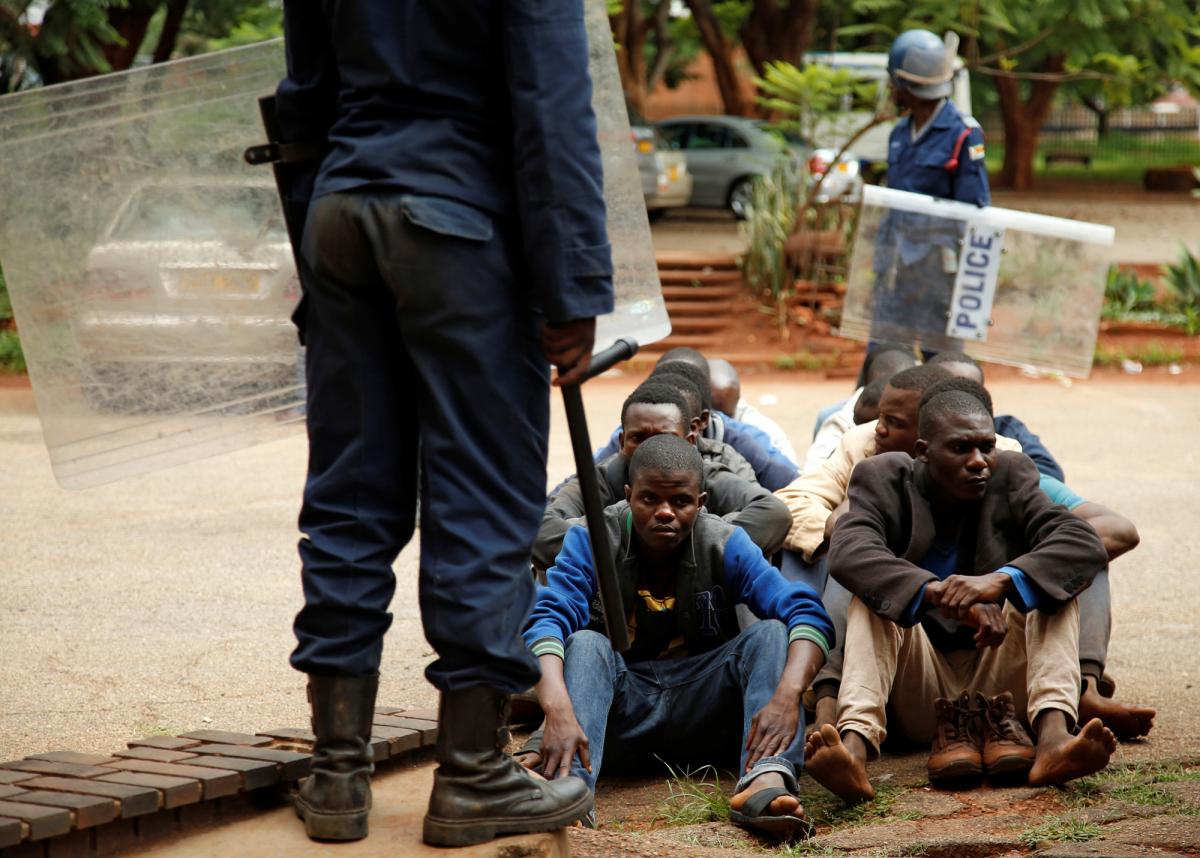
(976, 152)
(971, 121)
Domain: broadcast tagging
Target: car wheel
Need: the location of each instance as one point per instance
(741, 197)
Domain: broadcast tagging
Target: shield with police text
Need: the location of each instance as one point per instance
(1002, 285)
(150, 270)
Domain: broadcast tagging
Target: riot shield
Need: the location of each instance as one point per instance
(640, 313)
(150, 272)
(1005, 286)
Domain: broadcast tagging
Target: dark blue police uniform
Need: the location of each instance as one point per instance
(458, 206)
(916, 255)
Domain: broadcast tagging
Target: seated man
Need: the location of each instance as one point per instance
(964, 576)
(813, 504)
(657, 409)
(964, 366)
(866, 408)
(771, 468)
(727, 399)
(710, 450)
(691, 688)
(883, 363)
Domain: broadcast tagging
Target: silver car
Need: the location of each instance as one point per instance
(666, 182)
(725, 154)
(190, 287)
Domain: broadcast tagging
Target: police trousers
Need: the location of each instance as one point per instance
(422, 345)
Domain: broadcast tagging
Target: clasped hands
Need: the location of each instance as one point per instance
(973, 600)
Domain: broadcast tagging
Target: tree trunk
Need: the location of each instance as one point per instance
(1023, 120)
(130, 22)
(721, 52)
(170, 30)
(630, 33)
(1102, 113)
(778, 32)
(664, 47)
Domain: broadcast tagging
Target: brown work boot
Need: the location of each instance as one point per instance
(955, 753)
(1007, 748)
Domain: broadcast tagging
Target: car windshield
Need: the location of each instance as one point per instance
(199, 213)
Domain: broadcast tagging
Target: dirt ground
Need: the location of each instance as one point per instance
(1150, 227)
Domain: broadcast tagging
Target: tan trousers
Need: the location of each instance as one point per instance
(884, 663)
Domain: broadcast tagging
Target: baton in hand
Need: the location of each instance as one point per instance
(585, 468)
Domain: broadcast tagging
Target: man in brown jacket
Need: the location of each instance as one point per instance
(965, 577)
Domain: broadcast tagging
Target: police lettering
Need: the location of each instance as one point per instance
(974, 278)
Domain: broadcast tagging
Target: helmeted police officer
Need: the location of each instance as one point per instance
(454, 245)
(933, 150)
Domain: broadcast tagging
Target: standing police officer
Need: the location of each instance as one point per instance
(933, 150)
(455, 245)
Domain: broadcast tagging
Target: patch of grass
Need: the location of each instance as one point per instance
(1064, 829)
(693, 798)
(1152, 354)
(12, 358)
(824, 808)
(1146, 795)
(807, 360)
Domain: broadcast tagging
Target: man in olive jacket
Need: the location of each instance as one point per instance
(965, 576)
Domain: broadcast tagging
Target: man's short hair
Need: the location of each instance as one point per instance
(918, 378)
(955, 357)
(687, 355)
(653, 392)
(666, 454)
(965, 385)
(698, 376)
(885, 360)
(871, 393)
(723, 374)
(952, 403)
(687, 387)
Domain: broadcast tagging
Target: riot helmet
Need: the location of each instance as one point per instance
(922, 64)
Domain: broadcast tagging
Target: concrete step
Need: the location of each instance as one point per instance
(690, 276)
(700, 293)
(694, 259)
(698, 324)
(679, 309)
(696, 341)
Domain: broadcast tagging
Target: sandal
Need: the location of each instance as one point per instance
(533, 745)
(781, 828)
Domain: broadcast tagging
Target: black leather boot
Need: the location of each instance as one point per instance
(479, 791)
(335, 801)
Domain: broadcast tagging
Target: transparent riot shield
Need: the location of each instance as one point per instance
(1005, 286)
(150, 271)
(640, 312)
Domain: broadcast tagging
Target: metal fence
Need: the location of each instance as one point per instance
(1162, 134)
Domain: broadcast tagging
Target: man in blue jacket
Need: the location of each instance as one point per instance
(692, 688)
(454, 246)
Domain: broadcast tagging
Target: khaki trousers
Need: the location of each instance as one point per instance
(884, 663)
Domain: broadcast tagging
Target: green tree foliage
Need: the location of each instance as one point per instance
(1032, 49)
(80, 38)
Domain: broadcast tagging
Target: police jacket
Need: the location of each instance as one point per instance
(945, 161)
(481, 106)
(740, 502)
(719, 567)
(877, 546)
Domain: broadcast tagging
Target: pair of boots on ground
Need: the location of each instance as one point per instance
(978, 735)
(479, 791)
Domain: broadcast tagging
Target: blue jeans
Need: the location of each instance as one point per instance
(694, 710)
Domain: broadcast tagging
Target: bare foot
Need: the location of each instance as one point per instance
(1074, 756)
(830, 763)
(782, 806)
(1127, 722)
